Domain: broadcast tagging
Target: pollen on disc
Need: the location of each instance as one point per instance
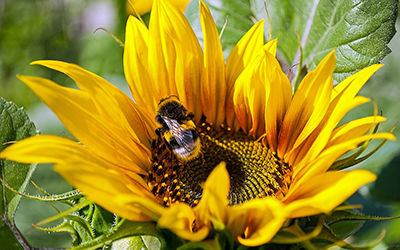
(255, 172)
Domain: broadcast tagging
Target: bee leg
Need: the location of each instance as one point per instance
(159, 119)
(159, 131)
(190, 116)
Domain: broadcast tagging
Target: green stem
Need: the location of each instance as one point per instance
(299, 68)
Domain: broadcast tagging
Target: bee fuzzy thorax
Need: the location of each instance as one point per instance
(171, 108)
(178, 129)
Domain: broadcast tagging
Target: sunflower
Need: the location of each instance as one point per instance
(144, 6)
(265, 151)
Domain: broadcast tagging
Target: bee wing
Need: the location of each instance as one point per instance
(173, 125)
(183, 137)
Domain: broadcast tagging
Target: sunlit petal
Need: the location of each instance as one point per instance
(326, 191)
(256, 222)
(213, 87)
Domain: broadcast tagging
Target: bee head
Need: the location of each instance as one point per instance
(171, 108)
(168, 99)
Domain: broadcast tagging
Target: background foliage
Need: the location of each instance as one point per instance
(64, 30)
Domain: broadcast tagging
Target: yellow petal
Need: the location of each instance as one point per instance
(181, 220)
(85, 122)
(326, 191)
(161, 52)
(277, 104)
(141, 7)
(345, 99)
(102, 186)
(99, 180)
(357, 80)
(255, 222)
(261, 96)
(111, 102)
(308, 107)
(147, 206)
(43, 149)
(250, 96)
(319, 138)
(54, 149)
(213, 87)
(271, 47)
(353, 129)
(136, 64)
(302, 174)
(175, 56)
(244, 51)
(214, 200)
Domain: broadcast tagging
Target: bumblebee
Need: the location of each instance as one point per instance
(178, 129)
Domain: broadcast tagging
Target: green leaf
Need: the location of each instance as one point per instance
(101, 220)
(8, 240)
(95, 221)
(346, 228)
(327, 239)
(151, 242)
(392, 236)
(347, 222)
(387, 182)
(329, 236)
(359, 31)
(92, 227)
(172, 241)
(125, 229)
(194, 245)
(14, 126)
(225, 239)
(82, 228)
(352, 215)
(236, 14)
(134, 242)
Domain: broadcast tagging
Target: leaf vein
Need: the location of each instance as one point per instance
(348, 43)
(330, 27)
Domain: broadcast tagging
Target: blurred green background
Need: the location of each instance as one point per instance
(57, 30)
(64, 30)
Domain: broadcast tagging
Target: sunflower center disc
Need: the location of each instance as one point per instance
(253, 169)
